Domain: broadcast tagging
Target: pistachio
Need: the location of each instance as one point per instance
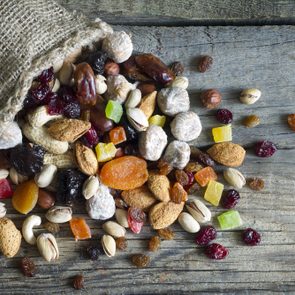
(90, 187)
(199, 211)
(179, 81)
(121, 217)
(47, 247)
(234, 177)
(45, 177)
(114, 229)
(3, 173)
(133, 99)
(188, 223)
(148, 104)
(137, 119)
(59, 214)
(2, 210)
(250, 96)
(108, 245)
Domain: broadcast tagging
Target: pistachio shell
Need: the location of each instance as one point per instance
(121, 217)
(137, 119)
(199, 211)
(108, 245)
(114, 229)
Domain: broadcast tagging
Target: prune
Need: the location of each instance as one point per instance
(46, 76)
(99, 120)
(26, 159)
(69, 186)
(97, 61)
(28, 267)
(132, 71)
(224, 116)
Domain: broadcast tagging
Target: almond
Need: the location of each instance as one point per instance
(86, 159)
(68, 129)
(164, 214)
(140, 197)
(227, 153)
(159, 186)
(148, 104)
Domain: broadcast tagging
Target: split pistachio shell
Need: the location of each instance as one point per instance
(234, 177)
(108, 245)
(59, 214)
(121, 217)
(47, 247)
(188, 223)
(133, 99)
(114, 229)
(250, 96)
(137, 119)
(90, 187)
(199, 211)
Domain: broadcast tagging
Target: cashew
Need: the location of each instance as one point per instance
(27, 229)
(60, 161)
(41, 137)
(39, 116)
(45, 177)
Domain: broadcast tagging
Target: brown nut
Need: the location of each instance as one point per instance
(111, 68)
(205, 63)
(46, 199)
(211, 98)
(146, 88)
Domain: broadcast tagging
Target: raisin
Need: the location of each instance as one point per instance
(28, 267)
(140, 260)
(206, 235)
(46, 76)
(216, 251)
(120, 203)
(166, 233)
(154, 243)
(230, 199)
(121, 243)
(97, 61)
(36, 95)
(256, 184)
(193, 167)
(93, 252)
(201, 157)
(177, 68)
(164, 167)
(178, 194)
(265, 149)
(251, 121)
(78, 282)
(181, 177)
(72, 109)
(193, 188)
(251, 237)
(205, 63)
(224, 116)
(52, 227)
(291, 121)
(136, 218)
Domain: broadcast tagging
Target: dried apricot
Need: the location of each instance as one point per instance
(80, 229)
(124, 173)
(25, 197)
(205, 175)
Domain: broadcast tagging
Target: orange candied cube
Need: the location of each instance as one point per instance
(204, 175)
(117, 135)
(80, 229)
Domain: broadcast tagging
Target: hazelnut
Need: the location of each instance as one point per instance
(46, 199)
(146, 88)
(211, 98)
(111, 68)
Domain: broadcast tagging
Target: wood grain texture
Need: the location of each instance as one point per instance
(262, 57)
(204, 12)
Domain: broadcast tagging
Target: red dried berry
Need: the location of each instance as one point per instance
(230, 199)
(191, 180)
(5, 189)
(251, 237)
(36, 95)
(224, 116)
(265, 149)
(216, 251)
(46, 76)
(135, 219)
(206, 235)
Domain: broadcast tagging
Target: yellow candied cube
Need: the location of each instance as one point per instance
(157, 120)
(213, 192)
(105, 151)
(223, 133)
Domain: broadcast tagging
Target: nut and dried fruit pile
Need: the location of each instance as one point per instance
(95, 135)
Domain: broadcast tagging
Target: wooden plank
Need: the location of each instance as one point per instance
(186, 12)
(260, 57)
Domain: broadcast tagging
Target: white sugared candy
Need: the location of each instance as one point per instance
(152, 143)
(173, 100)
(118, 46)
(10, 135)
(100, 84)
(177, 154)
(186, 126)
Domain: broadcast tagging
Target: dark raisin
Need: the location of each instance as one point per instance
(177, 68)
(93, 252)
(27, 159)
(131, 149)
(206, 235)
(265, 149)
(230, 199)
(78, 282)
(216, 251)
(140, 260)
(131, 133)
(182, 177)
(224, 116)
(205, 63)
(72, 109)
(36, 95)
(46, 76)
(251, 237)
(97, 61)
(121, 243)
(28, 267)
(201, 157)
(67, 94)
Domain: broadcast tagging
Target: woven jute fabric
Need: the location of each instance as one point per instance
(35, 35)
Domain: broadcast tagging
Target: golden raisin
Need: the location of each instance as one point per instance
(140, 260)
(121, 243)
(154, 243)
(178, 194)
(164, 167)
(166, 233)
(52, 227)
(181, 177)
(256, 184)
(291, 121)
(251, 121)
(193, 167)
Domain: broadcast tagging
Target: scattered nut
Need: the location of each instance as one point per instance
(188, 223)
(46, 199)
(90, 187)
(45, 177)
(205, 63)
(180, 81)
(148, 104)
(27, 228)
(121, 217)
(86, 159)
(66, 73)
(111, 69)
(59, 214)
(3, 173)
(114, 229)
(199, 211)
(137, 119)
(134, 98)
(2, 210)
(211, 98)
(251, 121)
(108, 245)
(16, 178)
(234, 177)
(250, 96)
(60, 161)
(47, 247)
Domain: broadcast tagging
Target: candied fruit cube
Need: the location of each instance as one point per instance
(114, 111)
(229, 219)
(105, 151)
(117, 135)
(157, 120)
(80, 229)
(205, 175)
(223, 133)
(213, 192)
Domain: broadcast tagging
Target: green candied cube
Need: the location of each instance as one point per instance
(229, 219)
(114, 111)
(213, 192)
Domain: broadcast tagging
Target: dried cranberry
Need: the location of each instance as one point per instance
(265, 149)
(216, 251)
(5, 189)
(191, 180)
(135, 219)
(46, 76)
(206, 235)
(93, 252)
(72, 109)
(97, 61)
(90, 138)
(224, 116)
(36, 95)
(55, 107)
(251, 237)
(230, 199)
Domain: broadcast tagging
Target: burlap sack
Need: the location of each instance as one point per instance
(35, 35)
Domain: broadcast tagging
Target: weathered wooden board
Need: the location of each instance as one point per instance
(262, 57)
(187, 11)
